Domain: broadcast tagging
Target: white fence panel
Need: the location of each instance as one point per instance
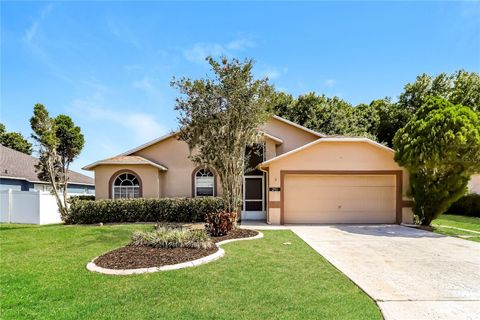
(28, 207)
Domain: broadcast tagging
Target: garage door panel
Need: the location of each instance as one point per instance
(339, 199)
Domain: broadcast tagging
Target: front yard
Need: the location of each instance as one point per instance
(43, 275)
(458, 226)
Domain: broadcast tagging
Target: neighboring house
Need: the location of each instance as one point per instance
(17, 172)
(474, 184)
(304, 177)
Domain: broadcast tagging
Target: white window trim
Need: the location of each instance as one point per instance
(195, 183)
(114, 186)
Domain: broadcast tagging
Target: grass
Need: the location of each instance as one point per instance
(43, 276)
(448, 224)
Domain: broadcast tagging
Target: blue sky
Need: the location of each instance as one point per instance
(108, 65)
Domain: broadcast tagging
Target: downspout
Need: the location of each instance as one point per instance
(259, 167)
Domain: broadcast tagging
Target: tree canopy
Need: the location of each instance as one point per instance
(14, 140)
(220, 117)
(59, 143)
(440, 146)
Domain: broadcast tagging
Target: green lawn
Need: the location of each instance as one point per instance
(448, 223)
(43, 276)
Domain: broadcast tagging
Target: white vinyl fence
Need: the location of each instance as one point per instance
(35, 207)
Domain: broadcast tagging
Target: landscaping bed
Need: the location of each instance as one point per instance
(236, 234)
(142, 256)
(135, 257)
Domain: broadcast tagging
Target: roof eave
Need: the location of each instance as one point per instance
(324, 140)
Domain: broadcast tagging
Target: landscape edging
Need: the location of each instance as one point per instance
(91, 266)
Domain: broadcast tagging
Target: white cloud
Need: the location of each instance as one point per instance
(31, 32)
(330, 83)
(143, 126)
(144, 84)
(122, 32)
(271, 72)
(200, 51)
(240, 44)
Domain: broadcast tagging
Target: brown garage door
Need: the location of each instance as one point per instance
(339, 198)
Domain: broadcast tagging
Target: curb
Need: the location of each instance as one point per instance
(91, 266)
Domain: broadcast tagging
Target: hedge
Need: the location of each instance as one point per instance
(143, 210)
(468, 205)
(82, 197)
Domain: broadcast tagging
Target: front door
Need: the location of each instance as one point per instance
(253, 198)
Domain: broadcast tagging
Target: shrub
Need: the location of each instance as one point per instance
(164, 237)
(220, 223)
(82, 197)
(143, 210)
(468, 205)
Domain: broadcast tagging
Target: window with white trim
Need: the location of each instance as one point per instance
(126, 186)
(204, 183)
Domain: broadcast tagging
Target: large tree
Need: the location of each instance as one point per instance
(440, 146)
(220, 117)
(461, 87)
(59, 143)
(331, 116)
(14, 140)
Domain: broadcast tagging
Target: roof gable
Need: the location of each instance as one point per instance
(173, 134)
(326, 140)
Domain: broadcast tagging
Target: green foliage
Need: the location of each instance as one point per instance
(60, 142)
(165, 237)
(461, 87)
(468, 205)
(143, 210)
(440, 146)
(14, 140)
(220, 223)
(82, 197)
(331, 116)
(70, 138)
(219, 118)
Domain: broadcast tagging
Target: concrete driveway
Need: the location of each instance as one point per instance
(411, 274)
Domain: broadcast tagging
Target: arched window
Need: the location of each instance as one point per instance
(204, 183)
(126, 186)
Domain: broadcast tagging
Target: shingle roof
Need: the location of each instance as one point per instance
(125, 160)
(15, 164)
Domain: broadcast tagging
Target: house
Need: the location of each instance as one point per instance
(474, 184)
(17, 172)
(301, 176)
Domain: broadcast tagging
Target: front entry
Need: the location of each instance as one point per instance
(253, 198)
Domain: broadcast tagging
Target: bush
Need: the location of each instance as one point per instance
(468, 205)
(82, 197)
(143, 210)
(164, 237)
(220, 223)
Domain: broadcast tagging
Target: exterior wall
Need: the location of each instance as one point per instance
(334, 156)
(292, 137)
(149, 176)
(474, 184)
(14, 184)
(270, 149)
(174, 155)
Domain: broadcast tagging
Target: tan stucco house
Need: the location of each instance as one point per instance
(302, 176)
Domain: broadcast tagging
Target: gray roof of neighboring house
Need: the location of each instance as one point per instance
(18, 165)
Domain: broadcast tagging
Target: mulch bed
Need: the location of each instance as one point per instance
(236, 234)
(134, 257)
